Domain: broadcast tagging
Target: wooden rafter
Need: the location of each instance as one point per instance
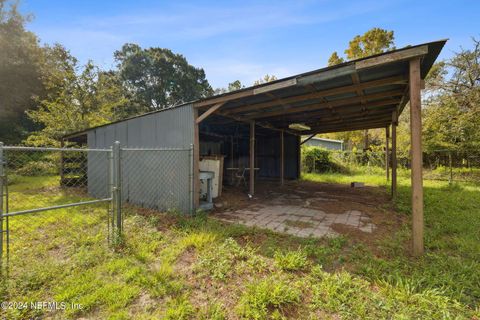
(335, 103)
(347, 110)
(318, 94)
(211, 110)
(370, 125)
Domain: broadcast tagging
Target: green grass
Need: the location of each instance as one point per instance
(176, 267)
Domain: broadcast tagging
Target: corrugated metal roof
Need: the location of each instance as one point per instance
(357, 94)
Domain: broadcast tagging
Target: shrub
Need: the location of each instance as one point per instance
(37, 168)
(291, 261)
(268, 298)
(316, 159)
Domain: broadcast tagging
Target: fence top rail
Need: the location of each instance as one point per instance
(21, 148)
(156, 149)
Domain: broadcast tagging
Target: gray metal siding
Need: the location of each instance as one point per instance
(144, 172)
(331, 145)
(268, 156)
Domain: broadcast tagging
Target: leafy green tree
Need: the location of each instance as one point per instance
(374, 41)
(266, 78)
(335, 59)
(232, 86)
(452, 112)
(156, 78)
(20, 74)
(77, 98)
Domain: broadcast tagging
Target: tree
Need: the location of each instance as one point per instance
(452, 111)
(232, 86)
(266, 78)
(335, 59)
(77, 98)
(20, 75)
(374, 41)
(156, 78)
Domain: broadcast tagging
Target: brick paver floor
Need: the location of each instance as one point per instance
(298, 220)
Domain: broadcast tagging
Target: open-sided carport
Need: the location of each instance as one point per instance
(361, 94)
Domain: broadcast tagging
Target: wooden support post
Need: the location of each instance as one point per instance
(196, 162)
(416, 150)
(387, 156)
(299, 157)
(252, 159)
(232, 164)
(394, 155)
(282, 158)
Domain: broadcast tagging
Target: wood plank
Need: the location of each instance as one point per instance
(209, 112)
(223, 98)
(392, 57)
(313, 135)
(349, 127)
(382, 118)
(196, 162)
(385, 113)
(319, 94)
(252, 159)
(299, 157)
(394, 154)
(387, 157)
(282, 158)
(335, 103)
(345, 111)
(373, 125)
(275, 86)
(416, 150)
(260, 124)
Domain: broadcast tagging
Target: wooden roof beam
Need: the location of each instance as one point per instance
(401, 55)
(343, 110)
(211, 110)
(335, 103)
(318, 94)
(363, 126)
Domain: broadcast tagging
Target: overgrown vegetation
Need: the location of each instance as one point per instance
(177, 267)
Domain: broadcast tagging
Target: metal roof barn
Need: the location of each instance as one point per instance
(261, 126)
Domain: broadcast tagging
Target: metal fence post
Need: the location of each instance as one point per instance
(451, 170)
(117, 193)
(1, 200)
(190, 154)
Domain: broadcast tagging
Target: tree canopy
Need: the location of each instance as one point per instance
(156, 78)
(20, 74)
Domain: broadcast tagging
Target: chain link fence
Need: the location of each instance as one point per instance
(438, 164)
(160, 179)
(45, 191)
(80, 192)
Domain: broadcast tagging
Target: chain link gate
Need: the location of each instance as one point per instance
(64, 171)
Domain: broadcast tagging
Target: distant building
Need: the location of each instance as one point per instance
(325, 143)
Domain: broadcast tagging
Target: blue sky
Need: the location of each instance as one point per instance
(246, 39)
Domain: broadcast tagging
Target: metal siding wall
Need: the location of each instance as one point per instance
(331, 145)
(291, 156)
(268, 150)
(98, 165)
(149, 170)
